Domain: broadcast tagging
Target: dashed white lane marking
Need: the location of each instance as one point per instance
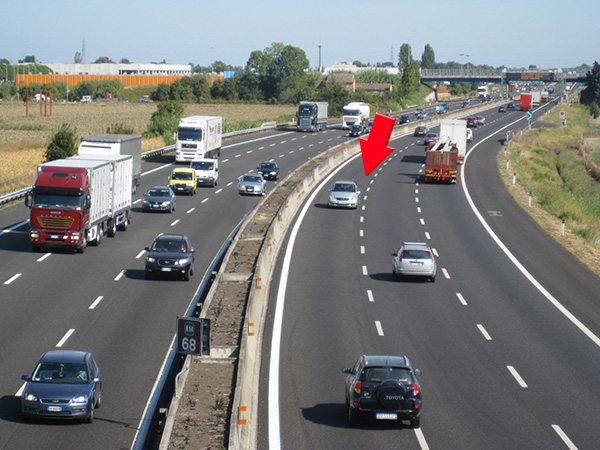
(446, 274)
(417, 199)
(435, 252)
(140, 254)
(13, 278)
(301, 148)
(137, 201)
(362, 249)
(261, 148)
(361, 233)
(249, 151)
(368, 189)
(418, 209)
(421, 439)
(363, 207)
(416, 191)
(121, 273)
(225, 160)
(365, 197)
(362, 218)
(370, 295)
(98, 300)
(364, 270)
(372, 181)
(515, 374)
(422, 221)
(175, 222)
(205, 200)
(189, 211)
(484, 332)
(564, 437)
(427, 235)
(41, 258)
(379, 328)
(65, 337)
(230, 183)
(461, 299)
(237, 156)
(218, 190)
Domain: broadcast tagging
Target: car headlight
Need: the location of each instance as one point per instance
(331, 198)
(166, 203)
(272, 173)
(150, 259)
(145, 202)
(81, 399)
(30, 398)
(242, 186)
(182, 261)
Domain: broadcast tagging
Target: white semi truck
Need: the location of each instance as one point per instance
(198, 137)
(455, 132)
(355, 113)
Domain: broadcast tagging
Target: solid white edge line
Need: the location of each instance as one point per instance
(273, 406)
(65, 337)
(517, 377)
(595, 339)
(564, 437)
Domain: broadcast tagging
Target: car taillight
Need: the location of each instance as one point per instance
(430, 255)
(357, 387)
(416, 389)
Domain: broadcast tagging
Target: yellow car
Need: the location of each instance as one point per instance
(183, 181)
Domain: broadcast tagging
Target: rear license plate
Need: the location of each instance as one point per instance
(166, 269)
(386, 416)
(54, 408)
(416, 263)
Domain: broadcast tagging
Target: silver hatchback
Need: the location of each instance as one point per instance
(414, 259)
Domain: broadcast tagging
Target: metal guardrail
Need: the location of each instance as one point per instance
(20, 193)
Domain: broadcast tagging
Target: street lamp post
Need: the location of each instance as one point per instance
(462, 69)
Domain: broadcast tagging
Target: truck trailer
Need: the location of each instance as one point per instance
(76, 201)
(526, 102)
(536, 97)
(455, 132)
(198, 137)
(312, 116)
(355, 113)
(101, 145)
(441, 163)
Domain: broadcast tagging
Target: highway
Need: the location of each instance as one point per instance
(99, 301)
(504, 365)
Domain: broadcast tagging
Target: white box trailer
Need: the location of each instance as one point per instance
(456, 132)
(536, 97)
(355, 113)
(116, 144)
(198, 137)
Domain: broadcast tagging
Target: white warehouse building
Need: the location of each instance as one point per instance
(120, 69)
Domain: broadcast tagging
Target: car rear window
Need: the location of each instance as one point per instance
(379, 374)
(416, 254)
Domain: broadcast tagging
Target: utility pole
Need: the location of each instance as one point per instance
(320, 46)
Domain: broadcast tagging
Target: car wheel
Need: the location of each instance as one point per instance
(352, 417)
(98, 401)
(186, 275)
(415, 422)
(432, 279)
(90, 418)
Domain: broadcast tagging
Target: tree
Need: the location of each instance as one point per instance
(219, 67)
(104, 60)
(165, 120)
(335, 94)
(124, 61)
(411, 79)
(405, 56)
(428, 58)
(62, 144)
(591, 93)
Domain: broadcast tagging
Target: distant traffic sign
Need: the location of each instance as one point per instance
(529, 116)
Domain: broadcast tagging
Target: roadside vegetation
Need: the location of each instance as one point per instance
(549, 165)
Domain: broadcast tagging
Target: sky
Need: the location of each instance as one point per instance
(501, 33)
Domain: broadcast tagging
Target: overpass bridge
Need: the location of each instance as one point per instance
(500, 76)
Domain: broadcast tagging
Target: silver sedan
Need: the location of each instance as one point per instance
(252, 184)
(344, 194)
(414, 258)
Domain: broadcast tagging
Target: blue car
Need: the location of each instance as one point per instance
(65, 384)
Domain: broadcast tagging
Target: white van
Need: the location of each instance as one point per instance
(207, 171)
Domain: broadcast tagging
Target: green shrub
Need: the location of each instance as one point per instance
(62, 144)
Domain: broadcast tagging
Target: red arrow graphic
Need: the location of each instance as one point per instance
(375, 149)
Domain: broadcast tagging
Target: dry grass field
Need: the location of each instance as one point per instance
(23, 139)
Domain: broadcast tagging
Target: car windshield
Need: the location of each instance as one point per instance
(267, 165)
(189, 134)
(416, 254)
(203, 165)
(379, 374)
(169, 245)
(431, 135)
(158, 193)
(54, 372)
(181, 176)
(252, 178)
(344, 187)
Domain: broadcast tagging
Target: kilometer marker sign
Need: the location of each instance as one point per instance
(374, 149)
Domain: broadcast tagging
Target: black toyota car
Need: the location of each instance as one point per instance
(383, 388)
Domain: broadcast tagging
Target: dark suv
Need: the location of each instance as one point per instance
(384, 388)
(170, 254)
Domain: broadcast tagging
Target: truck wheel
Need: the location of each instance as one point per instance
(83, 244)
(98, 239)
(112, 228)
(124, 225)
(35, 248)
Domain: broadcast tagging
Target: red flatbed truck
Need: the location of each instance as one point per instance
(526, 102)
(441, 163)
